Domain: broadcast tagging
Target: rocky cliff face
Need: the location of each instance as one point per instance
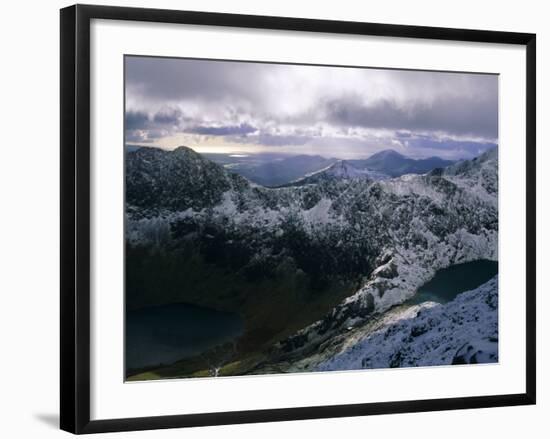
(391, 235)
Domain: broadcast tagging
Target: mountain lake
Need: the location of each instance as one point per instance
(161, 335)
(451, 281)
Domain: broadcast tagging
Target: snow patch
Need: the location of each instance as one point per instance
(462, 331)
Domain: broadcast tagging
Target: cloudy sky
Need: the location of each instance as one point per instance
(238, 107)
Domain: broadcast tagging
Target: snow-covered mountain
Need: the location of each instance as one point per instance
(341, 170)
(389, 235)
(159, 181)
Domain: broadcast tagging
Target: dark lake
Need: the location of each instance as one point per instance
(449, 282)
(164, 334)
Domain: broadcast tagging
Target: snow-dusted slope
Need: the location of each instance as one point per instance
(462, 331)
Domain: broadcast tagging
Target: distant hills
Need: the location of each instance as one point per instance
(132, 148)
(393, 164)
(281, 171)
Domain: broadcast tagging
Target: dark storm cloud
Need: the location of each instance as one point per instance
(136, 120)
(229, 130)
(167, 117)
(170, 79)
(283, 105)
(140, 127)
(458, 116)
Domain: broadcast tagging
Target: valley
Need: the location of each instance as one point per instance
(306, 265)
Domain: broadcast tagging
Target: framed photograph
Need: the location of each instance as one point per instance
(268, 218)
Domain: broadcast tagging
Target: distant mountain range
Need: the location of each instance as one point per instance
(380, 166)
(306, 169)
(272, 169)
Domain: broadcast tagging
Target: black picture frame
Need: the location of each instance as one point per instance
(75, 217)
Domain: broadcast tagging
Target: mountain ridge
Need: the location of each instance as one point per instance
(295, 169)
